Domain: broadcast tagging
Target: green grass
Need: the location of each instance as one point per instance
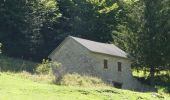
(16, 87)
(24, 86)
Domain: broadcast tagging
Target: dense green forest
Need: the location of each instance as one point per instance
(31, 29)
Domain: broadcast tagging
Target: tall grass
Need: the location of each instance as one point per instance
(15, 65)
(42, 78)
(67, 80)
(84, 81)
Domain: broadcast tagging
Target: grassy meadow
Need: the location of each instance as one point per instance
(16, 87)
(26, 86)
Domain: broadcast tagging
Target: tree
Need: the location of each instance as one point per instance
(155, 36)
(144, 32)
(151, 35)
(40, 19)
(0, 48)
(23, 25)
(11, 23)
(130, 16)
(91, 19)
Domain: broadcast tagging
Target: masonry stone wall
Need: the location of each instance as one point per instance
(112, 74)
(76, 58)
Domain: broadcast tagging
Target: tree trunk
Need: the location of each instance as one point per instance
(152, 72)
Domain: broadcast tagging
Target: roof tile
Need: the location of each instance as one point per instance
(99, 47)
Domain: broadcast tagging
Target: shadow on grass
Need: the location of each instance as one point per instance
(161, 81)
(84, 92)
(107, 91)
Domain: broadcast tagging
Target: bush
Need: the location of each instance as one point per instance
(47, 67)
(78, 80)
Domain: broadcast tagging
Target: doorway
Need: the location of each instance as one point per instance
(117, 84)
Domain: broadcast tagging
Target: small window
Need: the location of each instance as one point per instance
(117, 85)
(105, 64)
(119, 66)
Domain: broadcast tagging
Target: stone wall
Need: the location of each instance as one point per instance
(76, 58)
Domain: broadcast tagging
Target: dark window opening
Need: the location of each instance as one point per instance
(119, 66)
(105, 64)
(117, 85)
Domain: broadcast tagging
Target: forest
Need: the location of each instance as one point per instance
(31, 29)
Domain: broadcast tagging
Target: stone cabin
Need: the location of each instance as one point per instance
(102, 60)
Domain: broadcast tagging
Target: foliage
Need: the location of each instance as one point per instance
(0, 48)
(79, 80)
(47, 67)
(162, 79)
(153, 41)
(16, 65)
(25, 25)
(144, 33)
(90, 19)
(35, 27)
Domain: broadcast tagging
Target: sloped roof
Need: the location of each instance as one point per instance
(103, 48)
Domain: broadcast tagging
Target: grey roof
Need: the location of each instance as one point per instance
(103, 48)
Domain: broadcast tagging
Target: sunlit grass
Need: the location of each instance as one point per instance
(26, 86)
(20, 87)
(145, 72)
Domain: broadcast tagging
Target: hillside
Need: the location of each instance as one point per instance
(15, 87)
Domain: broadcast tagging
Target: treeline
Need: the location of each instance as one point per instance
(31, 29)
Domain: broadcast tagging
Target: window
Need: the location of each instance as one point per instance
(119, 66)
(117, 85)
(105, 64)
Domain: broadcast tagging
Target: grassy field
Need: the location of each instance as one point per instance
(24, 86)
(16, 87)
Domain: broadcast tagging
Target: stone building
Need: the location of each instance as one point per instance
(102, 60)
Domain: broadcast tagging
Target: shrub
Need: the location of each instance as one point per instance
(47, 67)
(78, 80)
(58, 71)
(44, 67)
